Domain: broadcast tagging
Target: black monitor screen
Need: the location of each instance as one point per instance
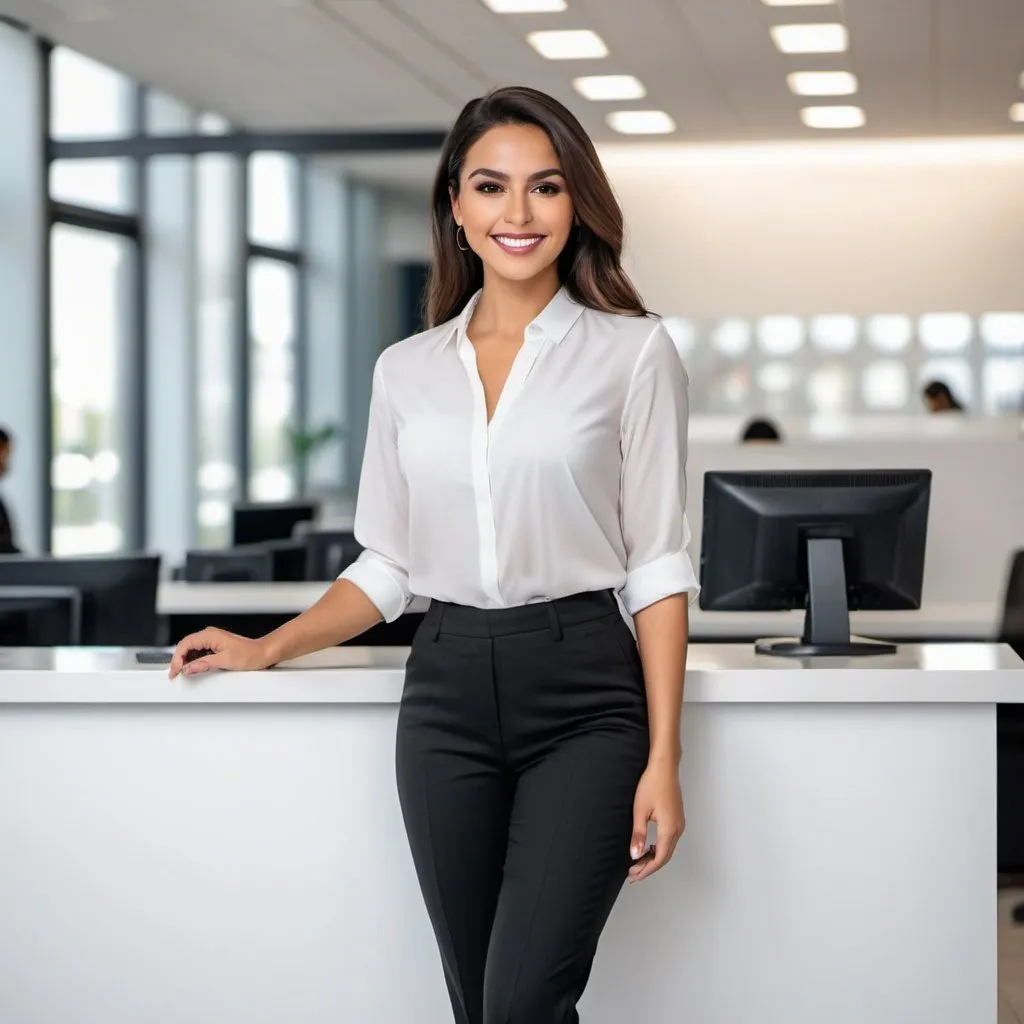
(258, 522)
(780, 540)
(118, 592)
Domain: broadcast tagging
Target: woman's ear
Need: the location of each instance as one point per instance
(456, 206)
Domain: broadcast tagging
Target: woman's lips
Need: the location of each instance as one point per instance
(518, 245)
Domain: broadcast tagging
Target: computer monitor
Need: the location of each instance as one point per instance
(328, 552)
(40, 617)
(118, 592)
(253, 522)
(823, 540)
(280, 561)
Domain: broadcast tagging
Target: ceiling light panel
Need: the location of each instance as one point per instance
(610, 87)
(832, 117)
(525, 6)
(826, 38)
(641, 122)
(822, 83)
(568, 45)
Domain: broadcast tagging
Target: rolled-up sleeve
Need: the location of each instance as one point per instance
(382, 513)
(652, 496)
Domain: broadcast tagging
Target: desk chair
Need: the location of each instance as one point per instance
(1010, 739)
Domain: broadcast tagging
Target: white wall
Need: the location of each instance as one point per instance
(856, 227)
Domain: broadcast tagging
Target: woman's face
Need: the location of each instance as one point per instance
(512, 202)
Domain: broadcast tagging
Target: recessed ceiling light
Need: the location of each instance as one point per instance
(797, 3)
(525, 6)
(822, 83)
(610, 87)
(568, 45)
(832, 117)
(829, 38)
(641, 122)
(1017, 112)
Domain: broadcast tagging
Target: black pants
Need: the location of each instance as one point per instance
(522, 736)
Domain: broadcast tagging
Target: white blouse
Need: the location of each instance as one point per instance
(576, 484)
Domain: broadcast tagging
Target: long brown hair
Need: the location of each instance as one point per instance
(590, 265)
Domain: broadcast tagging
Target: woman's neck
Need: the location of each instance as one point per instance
(506, 307)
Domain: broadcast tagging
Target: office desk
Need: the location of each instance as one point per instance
(230, 848)
(263, 606)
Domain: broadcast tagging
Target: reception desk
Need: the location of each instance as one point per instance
(230, 847)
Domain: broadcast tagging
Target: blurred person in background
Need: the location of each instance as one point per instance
(759, 431)
(938, 398)
(7, 545)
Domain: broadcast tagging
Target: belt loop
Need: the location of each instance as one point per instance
(439, 615)
(556, 626)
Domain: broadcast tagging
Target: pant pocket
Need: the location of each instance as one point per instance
(626, 645)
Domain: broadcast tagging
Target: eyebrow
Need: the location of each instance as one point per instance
(501, 176)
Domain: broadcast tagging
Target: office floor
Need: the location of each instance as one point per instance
(1011, 960)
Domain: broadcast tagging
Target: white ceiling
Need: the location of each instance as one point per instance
(926, 67)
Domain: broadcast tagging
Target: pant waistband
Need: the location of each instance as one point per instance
(463, 620)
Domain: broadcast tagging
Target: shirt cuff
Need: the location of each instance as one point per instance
(670, 574)
(376, 579)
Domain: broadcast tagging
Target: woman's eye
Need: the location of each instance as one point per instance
(549, 189)
(488, 188)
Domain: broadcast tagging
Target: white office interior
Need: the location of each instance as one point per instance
(214, 217)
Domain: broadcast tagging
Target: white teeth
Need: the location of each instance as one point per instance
(517, 243)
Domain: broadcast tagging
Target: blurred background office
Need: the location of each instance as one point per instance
(214, 216)
(823, 200)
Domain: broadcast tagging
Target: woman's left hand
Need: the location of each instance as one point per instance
(659, 798)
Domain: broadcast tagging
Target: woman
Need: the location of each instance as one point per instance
(938, 397)
(524, 463)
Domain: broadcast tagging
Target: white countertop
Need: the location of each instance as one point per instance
(716, 673)
(965, 621)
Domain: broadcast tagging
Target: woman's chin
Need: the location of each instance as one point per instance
(517, 268)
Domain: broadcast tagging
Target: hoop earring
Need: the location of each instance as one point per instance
(463, 248)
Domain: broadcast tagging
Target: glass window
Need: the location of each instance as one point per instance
(945, 332)
(1002, 386)
(834, 334)
(273, 300)
(889, 332)
(885, 386)
(777, 378)
(830, 388)
(216, 460)
(273, 200)
(780, 335)
(90, 100)
(101, 184)
(92, 282)
(731, 337)
(1003, 332)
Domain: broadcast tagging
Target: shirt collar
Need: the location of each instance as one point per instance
(553, 322)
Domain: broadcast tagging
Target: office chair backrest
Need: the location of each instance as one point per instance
(1012, 630)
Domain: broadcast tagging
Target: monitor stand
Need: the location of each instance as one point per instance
(827, 620)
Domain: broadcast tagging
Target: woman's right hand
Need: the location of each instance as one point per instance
(229, 651)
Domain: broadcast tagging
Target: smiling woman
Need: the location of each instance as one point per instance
(524, 471)
(520, 190)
